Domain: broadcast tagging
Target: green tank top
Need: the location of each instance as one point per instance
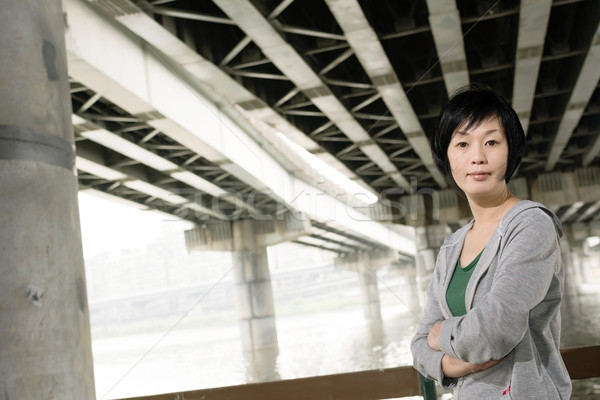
(455, 295)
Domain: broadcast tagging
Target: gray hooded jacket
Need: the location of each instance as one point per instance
(513, 312)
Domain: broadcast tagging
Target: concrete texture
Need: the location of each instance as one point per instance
(44, 320)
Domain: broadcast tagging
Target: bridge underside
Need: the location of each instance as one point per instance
(358, 84)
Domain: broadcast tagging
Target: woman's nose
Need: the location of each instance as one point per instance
(477, 155)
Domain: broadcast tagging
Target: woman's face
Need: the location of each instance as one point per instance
(478, 158)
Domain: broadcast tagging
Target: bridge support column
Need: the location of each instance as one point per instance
(367, 264)
(428, 241)
(254, 294)
(411, 298)
(248, 240)
(569, 258)
(572, 253)
(370, 293)
(45, 349)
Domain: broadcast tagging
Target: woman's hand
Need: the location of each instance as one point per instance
(455, 368)
(433, 339)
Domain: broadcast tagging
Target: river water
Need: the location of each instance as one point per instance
(314, 343)
(331, 336)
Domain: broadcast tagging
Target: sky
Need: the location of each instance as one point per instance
(108, 225)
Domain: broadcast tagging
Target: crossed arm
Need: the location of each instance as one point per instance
(528, 267)
(453, 367)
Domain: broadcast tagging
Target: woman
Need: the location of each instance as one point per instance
(491, 328)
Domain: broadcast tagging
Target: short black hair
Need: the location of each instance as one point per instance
(474, 104)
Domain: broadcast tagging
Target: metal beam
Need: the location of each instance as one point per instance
(572, 210)
(235, 51)
(280, 8)
(128, 73)
(287, 60)
(170, 12)
(446, 29)
(149, 189)
(369, 51)
(592, 152)
(589, 212)
(588, 79)
(533, 23)
(226, 91)
(309, 32)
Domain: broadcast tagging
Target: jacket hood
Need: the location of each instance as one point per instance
(510, 215)
(525, 205)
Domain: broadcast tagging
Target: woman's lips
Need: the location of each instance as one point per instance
(479, 175)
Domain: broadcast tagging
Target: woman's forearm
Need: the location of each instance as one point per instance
(455, 368)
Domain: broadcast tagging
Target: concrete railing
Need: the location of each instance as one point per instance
(582, 363)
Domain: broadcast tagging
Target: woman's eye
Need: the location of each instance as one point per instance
(461, 144)
(492, 142)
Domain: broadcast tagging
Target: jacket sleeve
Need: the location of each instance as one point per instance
(499, 320)
(426, 360)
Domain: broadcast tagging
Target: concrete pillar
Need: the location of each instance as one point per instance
(572, 253)
(571, 285)
(248, 241)
(580, 232)
(592, 257)
(575, 274)
(410, 273)
(261, 365)
(254, 293)
(428, 241)
(45, 350)
(370, 293)
(366, 263)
